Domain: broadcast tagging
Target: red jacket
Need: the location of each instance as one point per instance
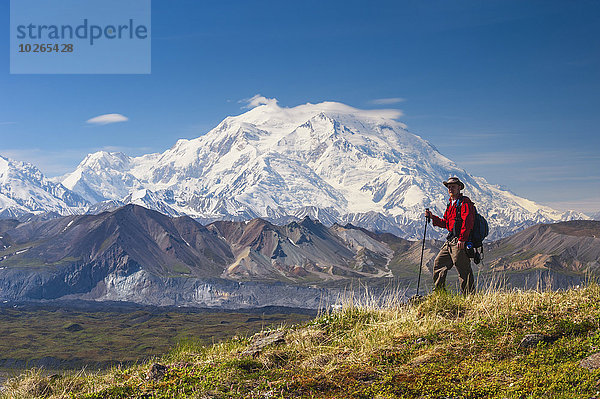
(467, 213)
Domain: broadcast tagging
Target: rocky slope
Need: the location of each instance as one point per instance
(572, 246)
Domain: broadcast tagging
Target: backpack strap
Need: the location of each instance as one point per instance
(458, 219)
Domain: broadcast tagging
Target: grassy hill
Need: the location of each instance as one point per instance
(445, 346)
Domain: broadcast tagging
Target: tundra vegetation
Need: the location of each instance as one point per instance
(493, 344)
(71, 336)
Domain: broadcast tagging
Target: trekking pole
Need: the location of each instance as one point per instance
(422, 250)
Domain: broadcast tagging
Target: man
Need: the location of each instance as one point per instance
(453, 253)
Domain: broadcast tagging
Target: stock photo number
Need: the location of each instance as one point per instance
(46, 48)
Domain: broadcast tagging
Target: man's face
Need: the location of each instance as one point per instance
(453, 190)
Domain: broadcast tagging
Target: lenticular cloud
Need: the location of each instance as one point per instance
(107, 118)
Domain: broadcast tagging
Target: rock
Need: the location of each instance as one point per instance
(531, 340)
(74, 327)
(261, 340)
(421, 341)
(157, 372)
(591, 362)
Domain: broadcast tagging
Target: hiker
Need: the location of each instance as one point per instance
(453, 252)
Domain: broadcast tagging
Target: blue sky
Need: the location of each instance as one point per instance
(510, 90)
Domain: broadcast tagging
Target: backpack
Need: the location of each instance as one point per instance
(478, 233)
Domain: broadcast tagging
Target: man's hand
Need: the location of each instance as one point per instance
(461, 245)
(428, 213)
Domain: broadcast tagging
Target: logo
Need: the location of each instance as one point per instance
(80, 37)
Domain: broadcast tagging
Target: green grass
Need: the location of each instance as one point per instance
(22, 262)
(446, 346)
(177, 270)
(16, 247)
(108, 241)
(25, 260)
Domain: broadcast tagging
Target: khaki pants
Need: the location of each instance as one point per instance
(450, 256)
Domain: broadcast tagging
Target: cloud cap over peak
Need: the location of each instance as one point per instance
(257, 100)
(304, 110)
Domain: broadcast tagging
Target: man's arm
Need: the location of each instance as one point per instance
(437, 221)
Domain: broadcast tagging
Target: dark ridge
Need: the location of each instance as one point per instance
(578, 228)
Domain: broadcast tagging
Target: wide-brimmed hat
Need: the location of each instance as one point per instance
(454, 180)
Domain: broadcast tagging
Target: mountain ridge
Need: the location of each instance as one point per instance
(24, 189)
(139, 255)
(134, 254)
(570, 246)
(355, 166)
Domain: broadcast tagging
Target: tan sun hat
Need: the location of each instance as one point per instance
(454, 180)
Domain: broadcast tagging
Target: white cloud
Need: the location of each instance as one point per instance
(107, 118)
(257, 100)
(585, 205)
(540, 160)
(308, 109)
(387, 101)
(332, 106)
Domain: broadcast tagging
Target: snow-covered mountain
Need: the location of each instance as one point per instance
(24, 189)
(328, 161)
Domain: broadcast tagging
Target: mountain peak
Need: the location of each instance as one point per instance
(12, 164)
(104, 158)
(329, 160)
(24, 189)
